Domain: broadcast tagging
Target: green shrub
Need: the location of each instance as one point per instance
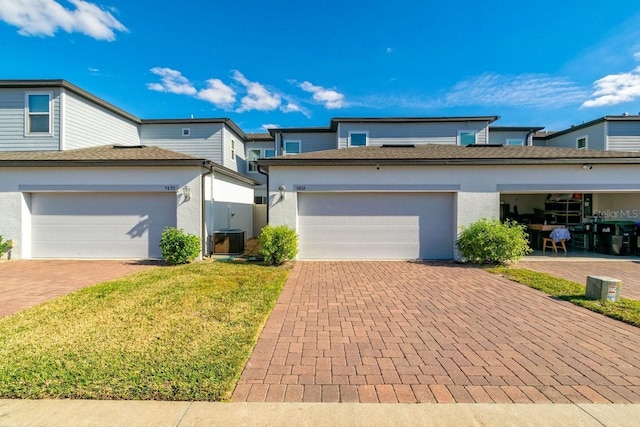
(5, 245)
(489, 241)
(278, 244)
(178, 247)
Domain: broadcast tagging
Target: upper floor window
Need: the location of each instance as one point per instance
(269, 152)
(466, 137)
(515, 141)
(254, 155)
(292, 147)
(186, 131)
(581, 143)
(38, 114)
(357, 139)
(233, 149)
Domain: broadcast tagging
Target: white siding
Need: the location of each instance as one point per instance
(413, 133)
(204, 142)
(624, 136)
(12, 122)
(87, 124)
(595, 138)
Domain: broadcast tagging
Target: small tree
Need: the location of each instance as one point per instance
(278, 244)
(490, 241)
(178, 247)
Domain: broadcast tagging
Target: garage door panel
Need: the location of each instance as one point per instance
(100, 225)
(375, 225)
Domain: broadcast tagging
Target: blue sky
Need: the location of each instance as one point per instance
(290, 64)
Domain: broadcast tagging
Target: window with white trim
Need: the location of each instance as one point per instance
(466, 137)
(269, 152)
(38, 113)
(358, 139)
(581, 143)
(186, 131)
(254, 155)
(233, 149)
(515, 141)
(292, 147)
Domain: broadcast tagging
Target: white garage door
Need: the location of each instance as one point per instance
(375, 225)
(100, 225)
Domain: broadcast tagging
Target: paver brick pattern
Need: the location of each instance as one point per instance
(626, 271)
(434, 332)
(25, 283)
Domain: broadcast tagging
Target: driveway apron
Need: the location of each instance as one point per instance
(434, 332)
(25, 283)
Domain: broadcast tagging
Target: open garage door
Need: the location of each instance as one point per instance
(375, 225)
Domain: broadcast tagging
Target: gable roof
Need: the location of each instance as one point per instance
(441, 154)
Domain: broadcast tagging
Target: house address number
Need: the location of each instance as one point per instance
(171, 188)
(300, 187)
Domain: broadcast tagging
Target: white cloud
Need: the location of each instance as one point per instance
(329, 97)
(218, 93)
(45, 17)
(615, 89)
(172, 81)
(524, 90)
(258, 97)
(636, 56)
(268, 126)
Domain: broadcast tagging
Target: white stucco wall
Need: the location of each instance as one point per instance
(478, 187)
(18, 183)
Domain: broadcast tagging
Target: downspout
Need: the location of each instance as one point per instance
(208, 166)
(529, 137)
(263, 172)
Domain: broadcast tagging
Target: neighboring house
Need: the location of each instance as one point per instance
(82, 178)
(409, 201)
(609, 133)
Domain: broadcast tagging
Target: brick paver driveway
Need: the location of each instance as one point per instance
(577, 271)
(25, 283)
(429, 332)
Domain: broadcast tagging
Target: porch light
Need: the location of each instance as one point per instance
(186, 193)
(282, 189)
(587, 166)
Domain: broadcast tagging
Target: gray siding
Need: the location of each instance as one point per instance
(413, 133)
(88, 125)
(500, 137)
(12, 122)
(624, 136)
(257, 145)
(595, 138)
(238, 163)
(312, 141)
(205, 140)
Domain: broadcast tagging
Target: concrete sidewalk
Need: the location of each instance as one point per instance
(79, 413)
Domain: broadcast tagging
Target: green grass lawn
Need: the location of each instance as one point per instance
(166, 333)
(626, 310)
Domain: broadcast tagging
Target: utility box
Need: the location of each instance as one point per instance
(603, 288)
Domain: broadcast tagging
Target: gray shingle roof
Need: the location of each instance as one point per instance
(101, 154)
(451, 154)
